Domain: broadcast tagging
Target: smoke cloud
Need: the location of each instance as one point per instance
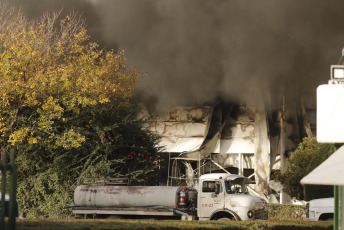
(196, 51)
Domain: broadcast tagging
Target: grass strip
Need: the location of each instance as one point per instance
(96, 224)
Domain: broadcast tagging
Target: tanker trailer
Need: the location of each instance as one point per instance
(113, 199)
(220, 196)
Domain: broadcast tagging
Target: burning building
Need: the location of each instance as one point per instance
(197, 51)
(247, 139)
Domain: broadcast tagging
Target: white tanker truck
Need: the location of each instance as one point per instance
(219, 196)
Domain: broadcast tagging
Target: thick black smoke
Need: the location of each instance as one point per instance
(195, 51)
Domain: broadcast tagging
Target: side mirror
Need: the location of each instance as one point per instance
(217, 188)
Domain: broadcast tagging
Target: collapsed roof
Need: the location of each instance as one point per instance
(190, 130)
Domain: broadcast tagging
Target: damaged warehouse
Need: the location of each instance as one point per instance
(246, 139)
(243, 49)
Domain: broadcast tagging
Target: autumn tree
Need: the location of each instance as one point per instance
(50, 72)
(65, 108)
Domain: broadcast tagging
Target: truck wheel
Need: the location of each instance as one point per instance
(224, 219)
(326, 216)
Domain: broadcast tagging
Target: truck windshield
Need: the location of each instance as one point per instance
(236, 186)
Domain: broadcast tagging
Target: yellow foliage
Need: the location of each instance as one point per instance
(50, 72)
(70, 139)
(18, 136)
(32, 140)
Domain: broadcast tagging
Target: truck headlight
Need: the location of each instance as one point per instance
(250, 214)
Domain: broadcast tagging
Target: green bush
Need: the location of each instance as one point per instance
(308, 155)
(283, 212)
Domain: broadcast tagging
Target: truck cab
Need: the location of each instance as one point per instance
(225, 197)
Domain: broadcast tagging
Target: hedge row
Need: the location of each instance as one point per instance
(285, 212)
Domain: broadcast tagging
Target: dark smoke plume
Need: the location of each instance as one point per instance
(195, 51)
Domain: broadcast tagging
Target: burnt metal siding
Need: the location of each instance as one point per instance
(183, 129)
